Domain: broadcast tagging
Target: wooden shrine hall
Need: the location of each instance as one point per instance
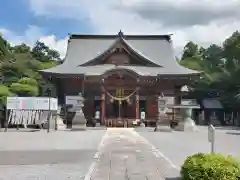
(120, 75)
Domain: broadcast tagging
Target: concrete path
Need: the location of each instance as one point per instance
(61, 155)
(177, 146)
(125, 155)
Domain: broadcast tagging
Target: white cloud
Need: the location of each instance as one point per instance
(110, 16)
(204, 22)
(31, 35)
(52, 42)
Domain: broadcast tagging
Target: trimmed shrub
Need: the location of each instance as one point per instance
(24, 89)
(210, 167)
(28, 81)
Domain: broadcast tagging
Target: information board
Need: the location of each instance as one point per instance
(73, 100)
(32, 103)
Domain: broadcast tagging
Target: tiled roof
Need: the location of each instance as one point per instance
(156, 49)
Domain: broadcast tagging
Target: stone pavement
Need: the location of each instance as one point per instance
(61, 155)
(125, 155)
(177, 146)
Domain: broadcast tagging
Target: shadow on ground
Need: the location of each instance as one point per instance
(227, 127)
(233, 133)
(21, 130)
(173, 178)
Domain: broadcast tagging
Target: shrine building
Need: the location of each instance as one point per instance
(120, 75)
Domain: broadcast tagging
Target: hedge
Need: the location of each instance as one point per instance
(210, 167)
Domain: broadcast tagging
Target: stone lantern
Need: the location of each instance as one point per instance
(79, 122)
(162, 123)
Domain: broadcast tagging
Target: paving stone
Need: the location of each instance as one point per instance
(134, 162)
(56, 155)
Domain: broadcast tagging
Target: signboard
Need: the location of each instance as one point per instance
(211, 137)
(73, 100)
(189, 102)
(32, 103)
(211, 130)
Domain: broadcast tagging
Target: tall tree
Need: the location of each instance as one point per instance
(190, 50)
(20, 62)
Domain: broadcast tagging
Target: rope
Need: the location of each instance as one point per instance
(122, 98)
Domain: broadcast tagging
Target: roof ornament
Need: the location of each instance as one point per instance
(120, 34)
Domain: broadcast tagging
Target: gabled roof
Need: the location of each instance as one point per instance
(128, 45)
(157, 49)
(83, 48)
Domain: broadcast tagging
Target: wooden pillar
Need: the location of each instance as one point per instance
(177, 100)
(137, 106)
(103, 108)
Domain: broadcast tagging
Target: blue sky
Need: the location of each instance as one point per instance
(50, 21)
(18, 16)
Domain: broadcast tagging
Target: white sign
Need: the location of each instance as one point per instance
(211, 137)
(143, 115)
(189, 102)
(97, 115)
(211, 130)
(32, 103)
(73, 100)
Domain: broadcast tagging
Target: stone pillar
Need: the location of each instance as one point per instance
(103, 108)
(177, 101)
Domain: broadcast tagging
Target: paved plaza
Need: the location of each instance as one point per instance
(112, 154)
(47, 156)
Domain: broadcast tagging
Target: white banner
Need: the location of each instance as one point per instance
(73, 100)
(32, 103)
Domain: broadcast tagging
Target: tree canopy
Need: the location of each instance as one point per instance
(19, 67)
(220, 65)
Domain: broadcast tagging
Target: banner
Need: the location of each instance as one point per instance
(74, 100)
(32, 103)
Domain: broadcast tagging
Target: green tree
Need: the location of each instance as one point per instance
(22, 48)
(25, 87)
(4, 93)
(191, 50)
(220, 66)
(4, 49)
(20, 62)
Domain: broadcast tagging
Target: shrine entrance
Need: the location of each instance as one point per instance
(120, 109)
(120, 89)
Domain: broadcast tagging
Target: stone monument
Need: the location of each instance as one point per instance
(79, 122)
(162, 123)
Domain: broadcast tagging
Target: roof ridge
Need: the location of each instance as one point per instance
(111, 36)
